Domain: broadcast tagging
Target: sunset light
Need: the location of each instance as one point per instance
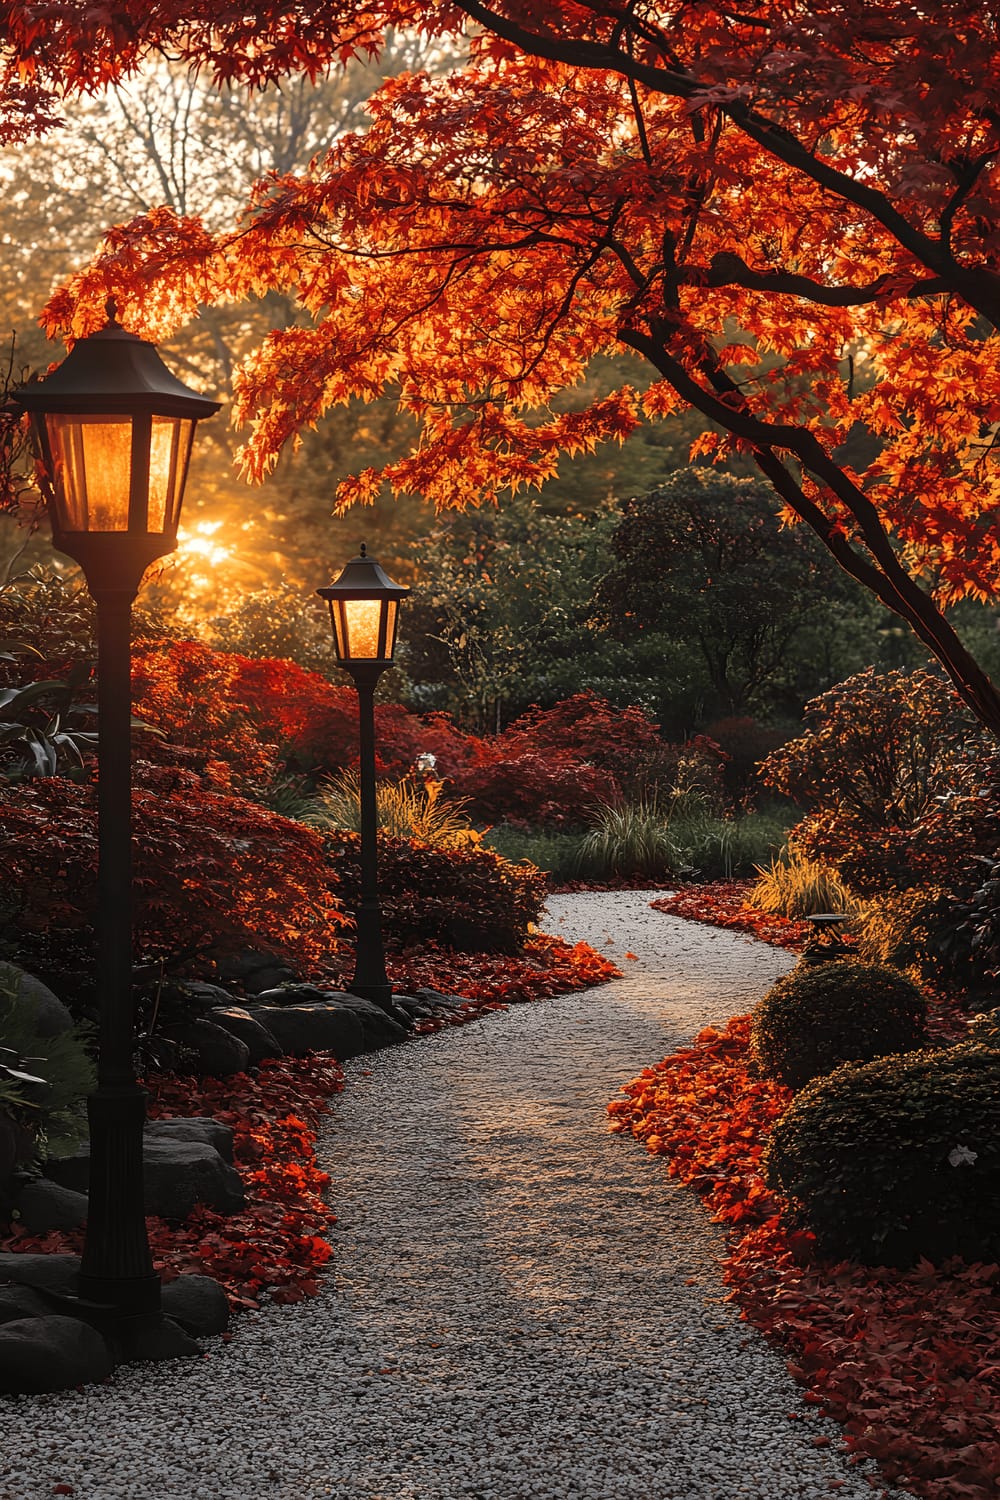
(198, 547)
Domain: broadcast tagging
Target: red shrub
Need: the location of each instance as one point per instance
(239, 713)
(212, 874)
(184, 690)
(469, 899)
(535, 788)
(624, 742)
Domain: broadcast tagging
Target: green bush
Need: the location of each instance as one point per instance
(469, 899)
(822, 1015)
(53, 1112)
(554, 852)
(896, 1159)
(920, 931)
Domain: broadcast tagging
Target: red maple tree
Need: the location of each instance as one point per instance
(791, 211)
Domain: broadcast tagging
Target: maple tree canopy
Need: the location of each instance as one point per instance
(789, 209)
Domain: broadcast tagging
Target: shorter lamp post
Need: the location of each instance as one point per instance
(364, 607)
(114, 429)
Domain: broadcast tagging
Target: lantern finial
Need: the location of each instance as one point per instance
(111, 310)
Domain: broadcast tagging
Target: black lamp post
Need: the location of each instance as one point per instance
(364, 607)
(114, 430)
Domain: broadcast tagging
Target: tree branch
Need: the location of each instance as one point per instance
(978, 286)
(885, 577)
(727, 269)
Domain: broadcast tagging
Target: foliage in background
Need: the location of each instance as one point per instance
(498, 617)
(704, 559)
(890, 770)
(824, 1014)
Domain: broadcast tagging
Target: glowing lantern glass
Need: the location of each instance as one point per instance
(364, 609)
(114, 430)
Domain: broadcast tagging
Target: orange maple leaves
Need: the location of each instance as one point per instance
(793, 217)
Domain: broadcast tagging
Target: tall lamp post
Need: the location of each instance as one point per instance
(113, 429)
(364, 609)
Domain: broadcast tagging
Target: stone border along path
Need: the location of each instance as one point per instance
(521, 1305)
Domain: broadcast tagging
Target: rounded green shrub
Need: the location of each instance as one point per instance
(897, 1158)
(824, 1014)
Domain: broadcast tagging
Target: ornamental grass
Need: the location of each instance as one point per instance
(408, 809)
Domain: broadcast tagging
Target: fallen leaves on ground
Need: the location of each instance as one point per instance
(722, 904)
(492, 981)
(908, 1362)
(276, 1245)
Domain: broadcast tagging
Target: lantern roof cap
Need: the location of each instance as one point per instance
(363, 578)
(117, 372)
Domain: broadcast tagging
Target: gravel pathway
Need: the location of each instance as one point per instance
(521, 1304)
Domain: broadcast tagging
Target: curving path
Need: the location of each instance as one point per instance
(521, 1306)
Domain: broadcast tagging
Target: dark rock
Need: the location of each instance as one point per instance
(50, 1353)
(197, 1303)
(53, 1273)
(417, 1010)
(236, 1019)
(51, 1016)
(43, 1205)
(293, 994)
(204, 997)
(177, 1175)
(154, 1339)
(214, 1052)
(192, 1128)
(380, 1028)
(313, 1028)
(256, 971)
(439, 1002)
(21, 1302)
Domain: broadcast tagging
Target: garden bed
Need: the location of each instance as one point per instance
(908, 1362)
(276, 1247)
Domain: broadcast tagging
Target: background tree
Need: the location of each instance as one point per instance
(583, 182)
(705, 561)
(500, 616)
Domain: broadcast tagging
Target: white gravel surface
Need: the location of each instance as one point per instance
(521, 1306)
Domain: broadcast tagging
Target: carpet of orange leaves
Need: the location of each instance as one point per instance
(908, 1362)
(722, 905)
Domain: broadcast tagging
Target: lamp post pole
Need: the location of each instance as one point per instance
(114, 430)
(364, 604)
(370, 979)
(117, 1265)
